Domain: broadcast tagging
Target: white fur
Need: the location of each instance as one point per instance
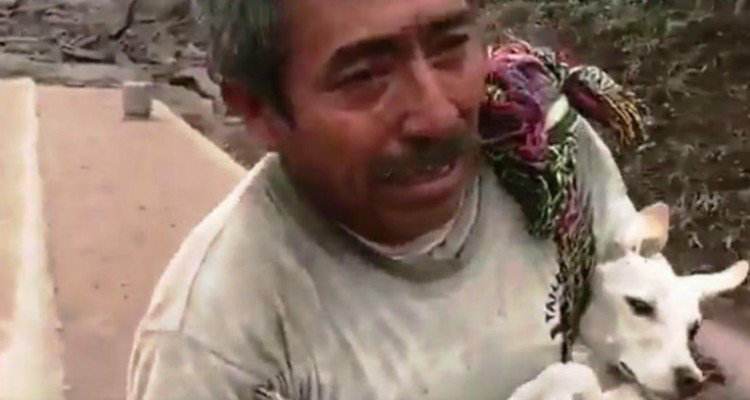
(652, 347)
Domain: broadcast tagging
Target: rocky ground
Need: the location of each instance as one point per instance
(691, 68)
(103, 43)
(690, 65)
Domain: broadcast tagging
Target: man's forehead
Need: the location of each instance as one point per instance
(426, 18)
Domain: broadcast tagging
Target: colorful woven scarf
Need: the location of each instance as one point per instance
(536, 164)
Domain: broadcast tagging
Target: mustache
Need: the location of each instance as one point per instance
(426, 154)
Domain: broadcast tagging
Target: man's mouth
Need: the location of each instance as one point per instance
(428, 174)
(423, 185)
(418, 174)
(423, 165)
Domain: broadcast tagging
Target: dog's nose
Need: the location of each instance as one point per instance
(687, 381)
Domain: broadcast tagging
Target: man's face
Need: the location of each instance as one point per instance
(373, 86)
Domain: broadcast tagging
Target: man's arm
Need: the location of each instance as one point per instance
(170, 365)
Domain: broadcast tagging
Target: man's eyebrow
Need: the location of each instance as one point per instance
(371, 47)
(389, 44)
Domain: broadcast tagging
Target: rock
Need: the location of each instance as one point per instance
(192, 53)
(136, 101)
(99, 75)
(82, 54)
(27, 48)
(54, 55)
(161, 10)
(744, 195)
(196, 78)
(74, 83)
(162, 48)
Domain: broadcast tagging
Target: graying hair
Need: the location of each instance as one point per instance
(245, 45)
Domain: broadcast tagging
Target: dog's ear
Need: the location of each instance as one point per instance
(646, 235)
(709, 285)
(655, 229)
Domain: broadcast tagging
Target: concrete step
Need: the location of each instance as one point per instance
(30, 349)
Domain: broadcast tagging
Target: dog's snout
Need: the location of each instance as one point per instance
(688, 381)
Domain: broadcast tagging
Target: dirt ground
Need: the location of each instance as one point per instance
(120, 196)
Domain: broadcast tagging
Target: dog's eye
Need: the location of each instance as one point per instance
(640, 307)
(693, 331)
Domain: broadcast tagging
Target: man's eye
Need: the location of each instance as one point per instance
(693, 331)
(448, 44)
(453, 42)
(361, 76)
(640, 307)
(449, 51)
(356, 77)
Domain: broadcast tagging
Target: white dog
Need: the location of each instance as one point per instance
(639, 324)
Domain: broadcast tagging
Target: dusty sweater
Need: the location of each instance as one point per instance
(265, 297)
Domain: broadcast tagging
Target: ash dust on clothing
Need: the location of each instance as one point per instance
(264, 296)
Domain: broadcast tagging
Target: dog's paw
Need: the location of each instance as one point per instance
(560, 381)
(573, 377)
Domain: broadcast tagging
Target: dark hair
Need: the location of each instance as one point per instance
(245, 45)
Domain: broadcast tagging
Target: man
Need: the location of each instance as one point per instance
(372, 254)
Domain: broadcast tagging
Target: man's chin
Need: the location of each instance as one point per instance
(410, 222)
(406, 228)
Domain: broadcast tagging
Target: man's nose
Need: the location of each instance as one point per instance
(430, 112)
(688, 380)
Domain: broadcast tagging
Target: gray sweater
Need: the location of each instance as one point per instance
(266, 300)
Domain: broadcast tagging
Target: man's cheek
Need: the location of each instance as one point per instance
(358, 136)
(471, 87)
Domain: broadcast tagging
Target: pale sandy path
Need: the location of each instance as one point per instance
(30, 351)
(120, 197)
(15, 98)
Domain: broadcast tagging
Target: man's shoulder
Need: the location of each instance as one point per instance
(229, 253)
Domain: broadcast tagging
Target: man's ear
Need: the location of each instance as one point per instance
(239, 101)
(260, 119)
(655, 223)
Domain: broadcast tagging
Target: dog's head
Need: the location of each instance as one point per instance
(642, 316)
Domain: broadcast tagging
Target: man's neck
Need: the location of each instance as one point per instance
(451, 234)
